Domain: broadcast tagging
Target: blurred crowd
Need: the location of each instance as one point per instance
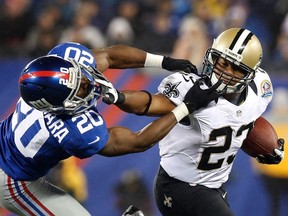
(181, 28)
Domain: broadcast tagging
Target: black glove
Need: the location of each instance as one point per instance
(178, 65)
(273, 159)
(197, 98)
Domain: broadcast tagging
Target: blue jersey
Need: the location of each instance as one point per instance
(32, 142)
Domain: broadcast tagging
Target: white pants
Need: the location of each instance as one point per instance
(38, 197)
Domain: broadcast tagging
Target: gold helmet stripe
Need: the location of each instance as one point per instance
(240, 40)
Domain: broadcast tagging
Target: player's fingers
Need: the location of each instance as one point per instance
(279, 153)
(197, 83)
(104, 83)
(215, 86)
(281, 141)
(191, 69)
(108, 98)
(260, 159)
(97, 73)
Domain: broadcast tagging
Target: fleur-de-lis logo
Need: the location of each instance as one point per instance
(168, 201)
(171, 90)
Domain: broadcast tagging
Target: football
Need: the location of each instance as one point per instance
(262, 139)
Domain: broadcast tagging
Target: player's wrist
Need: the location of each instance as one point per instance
(153, 60)
(121, 98)
(180, 111)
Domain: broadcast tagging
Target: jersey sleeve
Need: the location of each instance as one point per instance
(84, 147)
(90, 134)
(264, 86)
(176, 85)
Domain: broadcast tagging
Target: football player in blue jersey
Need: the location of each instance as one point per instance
(198, 153)
(56, 117)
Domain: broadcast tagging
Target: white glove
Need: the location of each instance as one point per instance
(133, 211)
(110, 95)
(273, 159)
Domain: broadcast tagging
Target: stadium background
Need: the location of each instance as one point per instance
(246, 189)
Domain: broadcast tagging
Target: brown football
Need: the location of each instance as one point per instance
(262, 139)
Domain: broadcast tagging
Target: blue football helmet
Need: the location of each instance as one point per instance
(76, 51)
(51, 84)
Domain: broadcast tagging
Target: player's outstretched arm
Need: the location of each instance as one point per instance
(138, 102)
(123, 141)
(122, 56)
(144, 103)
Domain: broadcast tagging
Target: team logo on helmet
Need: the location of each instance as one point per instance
(41, 104)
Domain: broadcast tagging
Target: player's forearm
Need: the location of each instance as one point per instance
(144, 103)
(158, 129)
(135, 101)
(123, 141)
(122, 56)
(155, 131)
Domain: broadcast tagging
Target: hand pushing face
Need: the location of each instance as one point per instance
(228, 72)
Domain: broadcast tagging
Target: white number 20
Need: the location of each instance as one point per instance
(81, 56)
